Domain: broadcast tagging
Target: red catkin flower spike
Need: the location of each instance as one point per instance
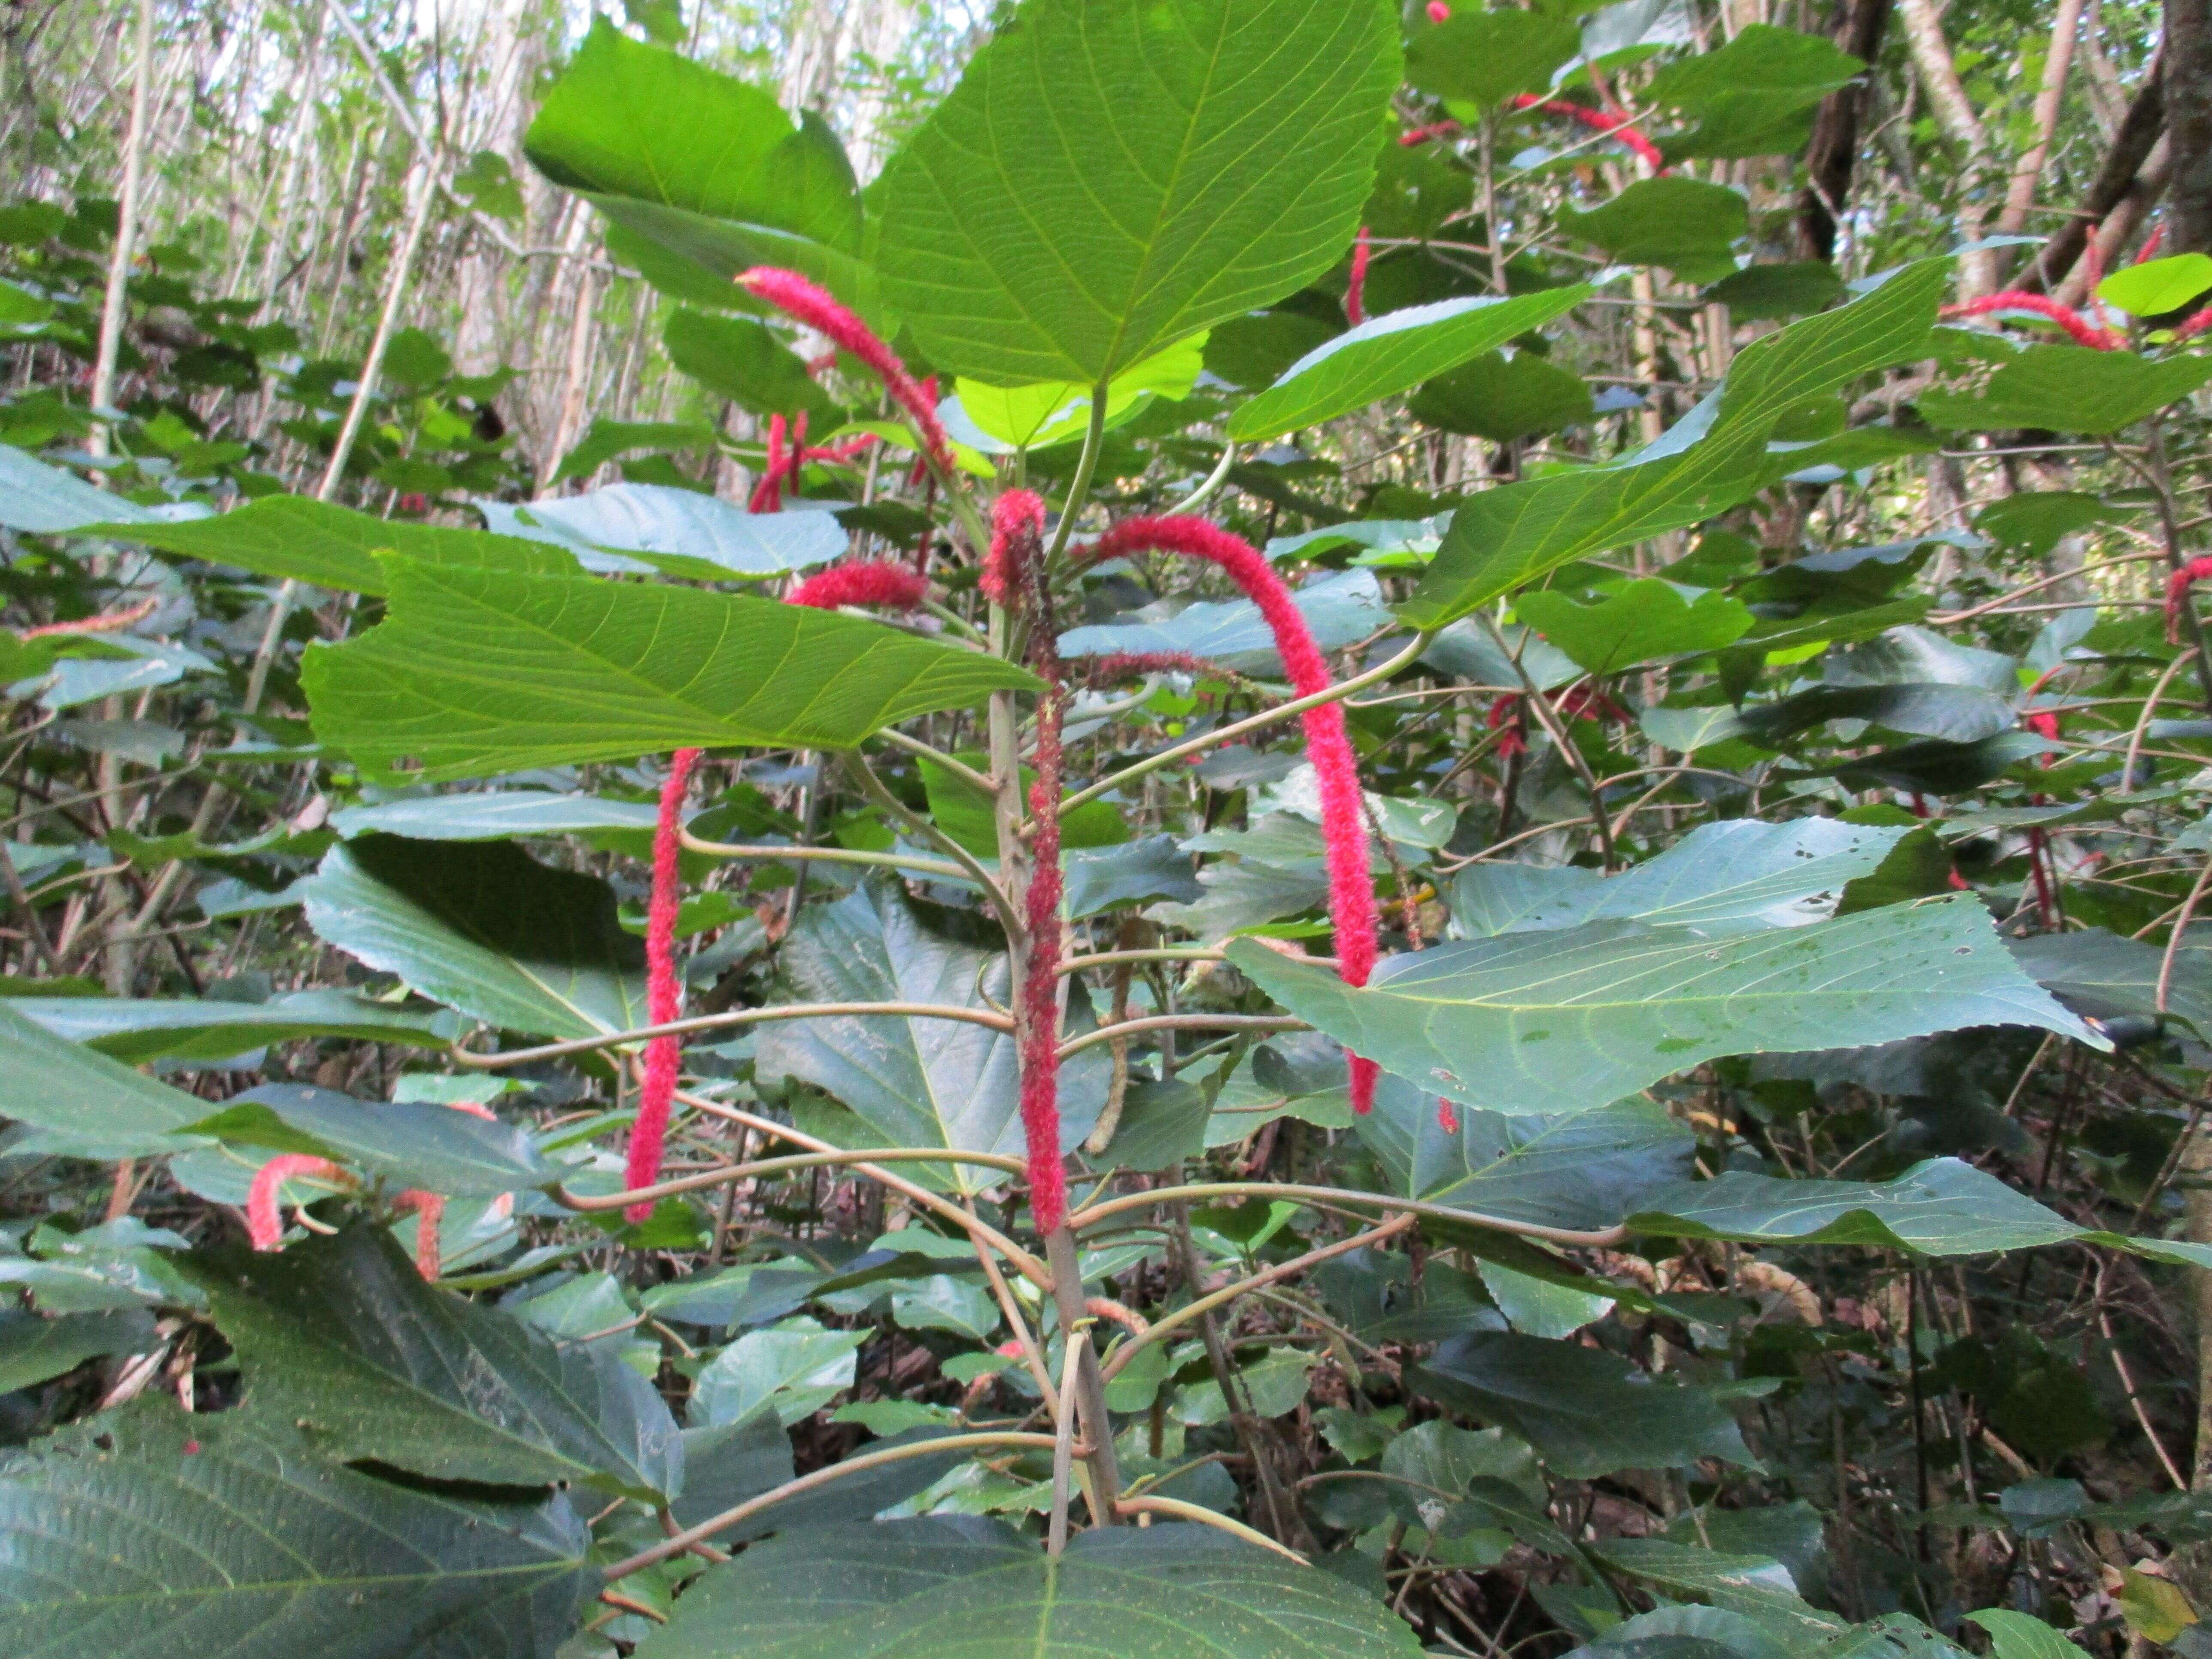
(1040, 1094)
(664, 987)
(893, 586)
(2177, 594)
(2082, 331)
(767, 493)
(797, 297)
(1355, 290)
(429, 1210)
(1622, 127)
(1343, 820)
(1447, 1116)
(1415, 136)
(2190, 327)
(2152, 243)
(1439, 12)
(1017, 519)
(264, 1225)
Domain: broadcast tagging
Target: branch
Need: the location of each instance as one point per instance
(1092, 1214)
(701, 1179)
(1180, 1023)
(734, 1017)
(720, 849)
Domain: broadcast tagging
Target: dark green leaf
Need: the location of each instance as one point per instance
(473, 673)
(412, 1143)
(1485, 57)
(1586, 1412)
(33, 1349)
(1169, 1591)
(1389, 354)
(2067, 388)
(1502, 538)
(84, 1104)
(2099, 973)
(145, 1531)
(1684, 224)
(1638, 622)
(1755, 95)
(743, 360)
(341, 1336)
(139, 1031)
(1502, 398)
(1243, 136)
(484, 928)
(1771, 293)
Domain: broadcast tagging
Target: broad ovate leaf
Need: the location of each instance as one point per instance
(476, 672)
(1565, 1020)
(1242, 134)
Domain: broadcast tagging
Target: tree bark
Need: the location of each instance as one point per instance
(2140, 130)
(1955, 113)
(2187, 78)
(126, 232)
(1835, 144)
(2019, 194)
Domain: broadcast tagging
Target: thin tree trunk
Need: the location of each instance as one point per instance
(2019, 195)
(2122, 223)
(1835, 145)
(126, 232)
(2139, 132)
(2188, 81)
(1954, 114)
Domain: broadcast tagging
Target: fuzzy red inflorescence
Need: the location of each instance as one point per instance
(265, 1223)
(664, 986)
(1447, 1116)
(797, 297)
(429, 1210)
(1017, 518)
(1355, 289)
(2176, 593)
(1439, 12)
(1343, 820)
(1131, 664)
(1622, 127)
(893, 586)
(1413, 136)
(2083, 331)
(2152, 243)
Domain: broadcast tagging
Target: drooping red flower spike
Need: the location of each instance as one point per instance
(1439, 12)
(2152, 243)
(264, 1224)
(768, 491)
(893, 586)
(664, 987)
(1355, 290)
(796, 296)
(2176, 593)
(1415, 136)
(1622, 127)
(1343, 821)
(1134, 665)
(2083, 331)
(1017, 519)
(1447, 1116)
(429, 1210)
(2190, 328)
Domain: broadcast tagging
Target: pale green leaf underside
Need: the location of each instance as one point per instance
(1109, 178)
(1560, 1021)
(476, 672)
(937, 1587)
(84, 1101)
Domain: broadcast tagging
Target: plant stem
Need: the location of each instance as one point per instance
(1092, 1214)
(997, 1022)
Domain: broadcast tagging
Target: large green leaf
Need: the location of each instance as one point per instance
(82, 1103)
(1392, 353)
(1501, 396)
(1684, 224)
(1586, 1412)
(1641, 622)
(2068, 388)
(476, 672)
(1560, 1021)
(743, 360)
(137, 1031)
(33, 1348)
(145, 1533)
(1584, 1171)
(679, 532)
(333, 546)
(631, 120)
(915, 1082)
(1755, 95)
(1242, 134)
(411, 1143)
(2101, 975)
(1502, 538)
(1485, 56)
(46, 501)
(341, 1337)
(497, 814)
(1172, 1591)
(483, 927)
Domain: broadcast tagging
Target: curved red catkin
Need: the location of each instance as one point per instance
(1439, 12)
(767, 490)
(1447, 1116)
(1015, 516)
(2152, 243)
(889, 585)
(1343, 819)
(797, 297)
(1622, 127)
(265, 1223)
(1414, 136)
(893, 586)
(2084, 332)
(2176, 593)
(1355, 289)
(664, 986)
(429, 1210)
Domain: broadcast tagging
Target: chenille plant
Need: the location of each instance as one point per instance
(1376, 829)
